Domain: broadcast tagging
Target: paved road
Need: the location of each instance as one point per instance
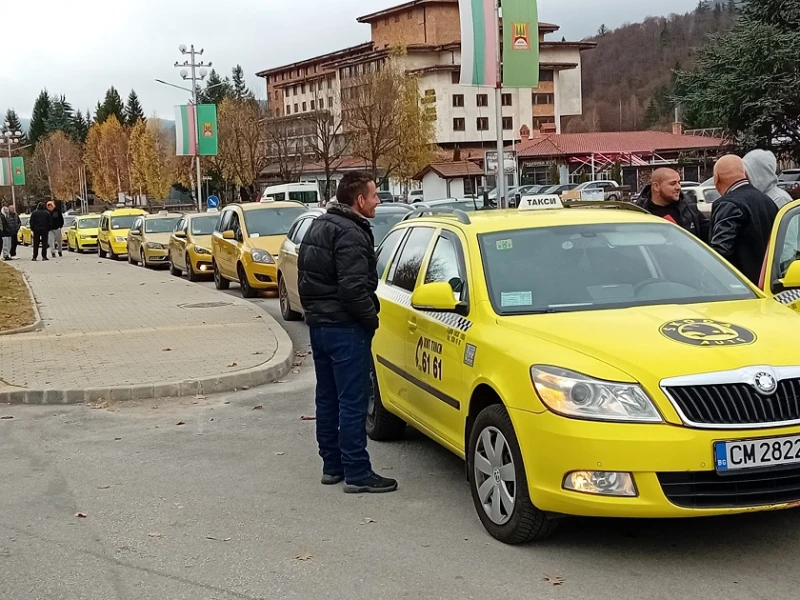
(154, 494)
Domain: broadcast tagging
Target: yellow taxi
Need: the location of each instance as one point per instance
(190, 245)
(148, 239)
(82, 233)
(246, 239)
(112, 237)
(590, 361)
(24, 235)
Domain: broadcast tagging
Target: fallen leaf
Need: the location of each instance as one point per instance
(245, 387)
(80, 515)
(367, 521)
(304, 556)
(281, 381)
(233, 364)
(280, 453)
(297, 363)
(227, 402)
(6, 418)
(155, 534)
(301, 354)
(167, 350)
(180, 423)
(216, 539)
(295, 371)
(304, 418)
(199, 397)
(258, 317)
(258, 407)
(553, 579)
(257, 353)
(103, 487)
(117, 439)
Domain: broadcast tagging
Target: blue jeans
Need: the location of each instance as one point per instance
(342, 361)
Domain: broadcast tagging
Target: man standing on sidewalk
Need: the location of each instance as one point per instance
(58, 222)
(14, 224)
(337, 283)
(41, 223)
(5, 233)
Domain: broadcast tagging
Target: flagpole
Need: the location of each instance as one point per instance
(502, 201)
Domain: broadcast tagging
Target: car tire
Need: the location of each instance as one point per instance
(112, 256)
(70, 248)
(142, 260)
(613, 198)
(219, 281)
(382, 426)
(524, 523)
(244, 284)
(175, 272)
(100, 252)
(190, 274)
(131, 260)
(286, 308)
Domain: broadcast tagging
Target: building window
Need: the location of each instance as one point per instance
(508, 123)
(483, 100)
(455, 78)
(288, 109)
(303, 89)
(543, 99)
(483, 123)
(321, 103)
(296, 108)
(286, 92)
(540, 122)
(469, 186)
(294, 90)
(458, 100)
(507, 100)
(397, 18)
(330, 83)
(330, 102)
(313, 105)
(319, 87)
(546, 75)
(459, 124)
(304, 106)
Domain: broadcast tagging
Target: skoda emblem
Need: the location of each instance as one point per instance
(765, 383)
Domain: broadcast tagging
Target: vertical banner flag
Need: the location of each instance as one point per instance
(196, 130)
(520, 44)
(12, 171)
(479, 42)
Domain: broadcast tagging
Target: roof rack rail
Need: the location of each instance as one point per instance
(462, 217)
(604, 204)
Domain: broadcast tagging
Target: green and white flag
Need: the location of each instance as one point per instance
(520, 44)
(196, 130)
(12, 171)
(478, 42)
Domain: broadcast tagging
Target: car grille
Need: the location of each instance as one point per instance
(737, 403)
(708, 489)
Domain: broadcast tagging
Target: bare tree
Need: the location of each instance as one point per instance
(328, 145)
(242, 152)
(288, 142)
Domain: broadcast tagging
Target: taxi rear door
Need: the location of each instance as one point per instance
(436, 356)
(781, 277)
(177, 244)
(135, 238)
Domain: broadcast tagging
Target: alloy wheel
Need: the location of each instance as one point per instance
(495, 475)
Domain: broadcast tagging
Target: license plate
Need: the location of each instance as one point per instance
(754, 454)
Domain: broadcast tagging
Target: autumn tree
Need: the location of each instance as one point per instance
(416, 121)
(107, 157)
(327, 145)
(55, 162)
(242, 150)
(140, 148)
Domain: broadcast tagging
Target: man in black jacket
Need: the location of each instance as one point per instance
(742, 219)
(55, 228)
(663, 198)
(41, 222)
(337, 283)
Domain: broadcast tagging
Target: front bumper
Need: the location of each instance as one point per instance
(201, 263)
(119, 248)
(262, 276)
(553, 446)
(155, 257)
(86, 243)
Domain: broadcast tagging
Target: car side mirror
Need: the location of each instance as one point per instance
(792, 278)
(180, 234)
(228, 235)
(436, 297)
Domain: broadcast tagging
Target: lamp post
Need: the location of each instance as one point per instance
(10, 138)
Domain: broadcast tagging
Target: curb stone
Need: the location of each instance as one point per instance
(275, 368)
(38, 322)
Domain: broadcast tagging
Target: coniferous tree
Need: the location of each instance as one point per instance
(217, 89)
(240, 89)
(61, 116)
(112, 105)
(13, 124)
(80, 126)
(39, 117)
(133, 110)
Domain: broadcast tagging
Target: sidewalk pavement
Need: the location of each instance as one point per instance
(112, 331)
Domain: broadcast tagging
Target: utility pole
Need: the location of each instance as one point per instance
(11, 138)
(502, 201)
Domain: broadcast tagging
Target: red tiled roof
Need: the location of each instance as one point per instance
(625, 142)
(451, 170)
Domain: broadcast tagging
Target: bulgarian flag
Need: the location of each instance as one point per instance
(478, 42)
(12, 171)
(196, 130)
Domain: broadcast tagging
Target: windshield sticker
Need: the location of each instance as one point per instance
(255, 235)
(505, 244)
(469, 355)
(509, 299)
(707, 333)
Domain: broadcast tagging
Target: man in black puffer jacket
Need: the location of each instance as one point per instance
(663, 198)
(742, 219)
(337, 283)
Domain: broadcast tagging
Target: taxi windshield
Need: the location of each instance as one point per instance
(92, 223)
(383, 222)
(204, 225)
(601, 266)
(271, 221)
(123, 222)
(160, 225)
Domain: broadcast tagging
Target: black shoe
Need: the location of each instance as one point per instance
(60, 255)
(331, 479)
(374, 484)
(45, 258)
(34, 259)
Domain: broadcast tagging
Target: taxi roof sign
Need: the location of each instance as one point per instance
(540, 202)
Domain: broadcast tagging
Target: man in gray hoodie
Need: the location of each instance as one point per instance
(762, 171)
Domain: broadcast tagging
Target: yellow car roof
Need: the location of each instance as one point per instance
(124, 212)
(166, 216)
(269, 205)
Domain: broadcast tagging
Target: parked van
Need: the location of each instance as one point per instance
(307, 193)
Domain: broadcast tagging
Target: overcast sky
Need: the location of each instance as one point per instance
(81, 47)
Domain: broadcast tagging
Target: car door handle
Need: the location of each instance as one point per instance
(412, 325)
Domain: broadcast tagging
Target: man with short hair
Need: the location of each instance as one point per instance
(663, 198)
(337, 284)
(14, 225)
(742, 219)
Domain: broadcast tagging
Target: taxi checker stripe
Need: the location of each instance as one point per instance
(403, 298)
(788, 296)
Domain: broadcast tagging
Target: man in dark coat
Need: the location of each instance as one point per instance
(14, 224)
(55, 238)
(41, 222)
(663, 198)
(742, 219)
(337, 283)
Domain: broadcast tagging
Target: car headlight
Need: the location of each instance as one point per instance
(575, 395)
(201, 250)
(262, 256)
(86, 237)
(154, 246)
(120, 239)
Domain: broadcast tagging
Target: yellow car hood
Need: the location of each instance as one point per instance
(91, 231)
(654, 342)
(271, 243)
(158, 238)
(204, 241)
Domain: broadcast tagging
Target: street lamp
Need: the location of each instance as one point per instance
(11, 138)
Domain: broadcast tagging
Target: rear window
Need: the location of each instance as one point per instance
(123, 222)
(204, 225)
(304, 197)
(271, 221)
(160, 225)
(89, 223)
(790, 176)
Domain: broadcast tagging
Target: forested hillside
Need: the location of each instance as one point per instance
(628, 78)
